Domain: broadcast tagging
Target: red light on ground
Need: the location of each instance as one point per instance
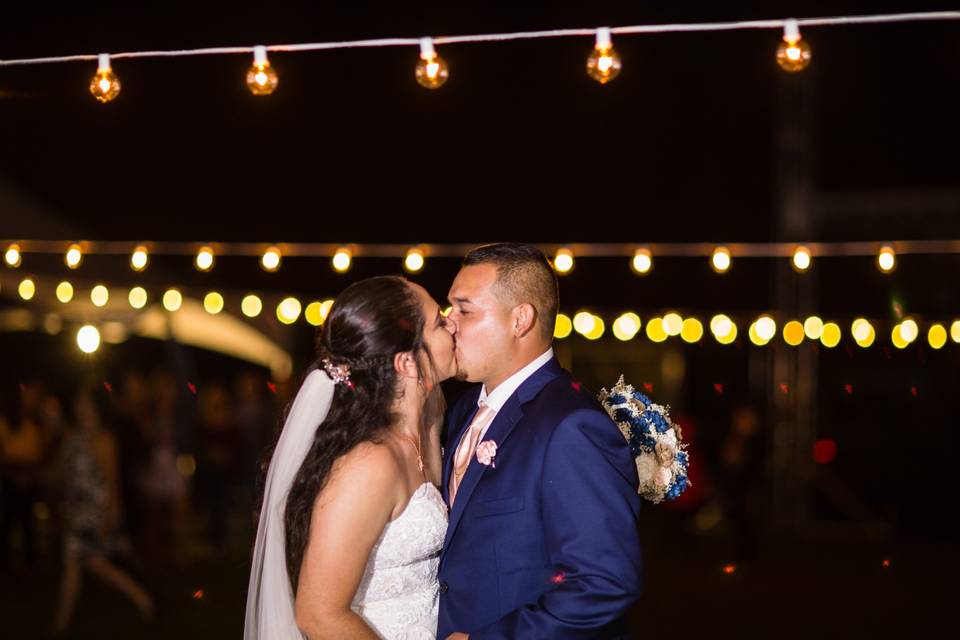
(272, 387)
(886, 563)
(576, 386)
(718, 387)
(198, 594)
(913, 390)
(192, 387)
(824, 451)
(108, 386)
(560, 577)
(848, 388)
(648, 386)
(785, 388)
(730, 569)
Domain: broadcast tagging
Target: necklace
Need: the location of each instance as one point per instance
(417, 447)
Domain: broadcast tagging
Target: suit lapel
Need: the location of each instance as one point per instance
(500, 429)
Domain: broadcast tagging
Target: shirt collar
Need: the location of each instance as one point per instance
(499, 396)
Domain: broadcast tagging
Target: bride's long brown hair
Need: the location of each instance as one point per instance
(370, 322)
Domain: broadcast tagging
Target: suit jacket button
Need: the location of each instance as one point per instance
(444, 587)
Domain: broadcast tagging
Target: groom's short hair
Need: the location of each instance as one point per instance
(523, 275)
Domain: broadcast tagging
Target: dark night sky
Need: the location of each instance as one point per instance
(520, 144)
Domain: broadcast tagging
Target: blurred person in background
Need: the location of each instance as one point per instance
(93, 517)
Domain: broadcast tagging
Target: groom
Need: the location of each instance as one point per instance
(542, 488)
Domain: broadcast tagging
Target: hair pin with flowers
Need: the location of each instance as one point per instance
(655, 441)
(339, 373)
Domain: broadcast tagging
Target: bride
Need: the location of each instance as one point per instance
(352, 522)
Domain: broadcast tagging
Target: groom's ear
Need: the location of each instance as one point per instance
(523, 319)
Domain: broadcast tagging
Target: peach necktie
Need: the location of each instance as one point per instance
(468, 444)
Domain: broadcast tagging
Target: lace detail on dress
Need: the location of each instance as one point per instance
(398, 595)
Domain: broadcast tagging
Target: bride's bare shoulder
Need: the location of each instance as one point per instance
(370, 465)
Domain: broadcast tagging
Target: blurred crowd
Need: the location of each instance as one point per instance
(117, 473)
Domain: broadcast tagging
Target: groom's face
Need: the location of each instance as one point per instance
(482, 321)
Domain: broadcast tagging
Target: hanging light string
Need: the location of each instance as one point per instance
(504, 37)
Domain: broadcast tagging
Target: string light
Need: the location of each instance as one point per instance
(312, 314)
(642, 261)
(139, 258)
(64, 292)
(692, 330)
(563, 261)
(831, 335)
(813, 327)
(74, 256)
(99, 295)
(204, 260)
(288, 310)
(342, 259)
(955, 331)
(598, 328)
(626, 326)
(413, 262)
(270, 261)
(672, 324)
(563, 326)
(886, 259)
(431, 70)
(604, 63)
(655, 330)
(584, 322)
(723, 329)
(27, 289)
(137, 297)
(896, 337)
(793, 333)
(104, 86)
(251, 306)
(793, 53)
(909, 330)
(262, 78)
(863, 332)
(720, 260)
(801, 259)
(937, 336)
(172, 300)
(88, 339)
(12, 256)
(325, 307)
(213, 303)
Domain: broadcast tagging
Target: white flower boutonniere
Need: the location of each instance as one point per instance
(487, 453)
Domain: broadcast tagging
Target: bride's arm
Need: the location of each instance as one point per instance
(348, 517)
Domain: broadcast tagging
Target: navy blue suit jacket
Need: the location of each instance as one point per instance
(544, 543)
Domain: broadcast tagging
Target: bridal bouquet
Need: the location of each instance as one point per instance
(655, 441)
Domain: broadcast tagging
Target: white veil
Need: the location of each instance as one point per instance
(270, 603)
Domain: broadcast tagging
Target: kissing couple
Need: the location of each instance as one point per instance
(514, 514)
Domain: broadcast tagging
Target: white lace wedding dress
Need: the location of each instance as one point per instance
(398, 595)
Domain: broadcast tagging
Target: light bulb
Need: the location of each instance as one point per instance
(831, 335)
(261, 77)
(431, 71)
(288, 310)
(139, 258)
(692, 330)
(886, 259)
(656, 331)
(793, 53)
(813, 327)
(213, 303)
(413, 262)
(642, 261)
(12, 256)
(909, 330)
(766, 328)
(563, 326)
(73, 256)
(204, 260)
(251, 306)
(584, 322)
(863, 332)
(64, 292)
(672, 324)
(325, 307)
(604, 64)
(720, 260)
(27, 289)
(312, 314)
(597, 331)
(104, 85)
(137, 297)
(793, 333)
(801, 259)
(626, 326)
(88, 339)
(937, 336)
(563, 261)
(342, 259)
(172, 299)
(271, 259)
(99, 295)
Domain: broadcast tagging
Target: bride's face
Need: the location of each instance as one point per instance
(437, 335)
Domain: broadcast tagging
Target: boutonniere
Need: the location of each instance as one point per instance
(487, 453)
